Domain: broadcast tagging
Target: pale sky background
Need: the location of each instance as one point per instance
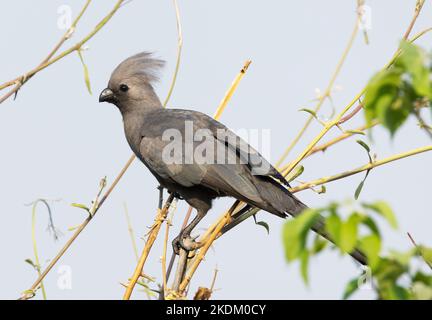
(58, 141)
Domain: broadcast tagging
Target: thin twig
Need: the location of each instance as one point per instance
(63, 39)
(134, 246)
(180, 273)
(119, 176)
(328, 125)
(325, 95)
(220, 109)
(216, 271)
(201, 253)
(179, 51)
(351, 114)
(35, 250)
(168, 224)
(173, 255)
(390, 63)
(365, 167)
(324, 180)
(326, 145)
(419, 6)
(209, 235)
(162, 214)
(19, 81)
(79, 229)
(332, 142)
(131, 231)
(422, 124)
(419, 250)
(206, 293)
(228, 95)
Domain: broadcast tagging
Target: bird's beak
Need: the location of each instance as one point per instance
(107, 96)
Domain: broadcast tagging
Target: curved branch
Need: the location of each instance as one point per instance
(21, 80)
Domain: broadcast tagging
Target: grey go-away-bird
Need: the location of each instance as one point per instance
(151, 130)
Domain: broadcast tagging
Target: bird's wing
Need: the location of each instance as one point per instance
(152, 154)
(248, 155)
(157, 152)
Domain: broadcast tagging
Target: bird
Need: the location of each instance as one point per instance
(200, 169)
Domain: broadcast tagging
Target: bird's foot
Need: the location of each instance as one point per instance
(186, 242)
(176, 195)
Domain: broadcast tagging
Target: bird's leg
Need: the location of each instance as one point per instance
(181, 269)
(184, 240)
(161, 190)
(176, 194)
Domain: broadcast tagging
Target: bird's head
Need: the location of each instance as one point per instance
(130, 85)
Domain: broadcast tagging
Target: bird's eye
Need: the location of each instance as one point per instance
(124, 87)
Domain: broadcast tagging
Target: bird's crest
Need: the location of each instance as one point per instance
(142, 65)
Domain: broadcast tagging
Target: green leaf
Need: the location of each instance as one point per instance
(333, 226)
(371, 246)
(392, 291)
(351, 288)
(265, 225)
(262, 223)
(361, 184)
(359, 190)
(381, 91)
(73, 228)
(296, 173)
(319, 244)
(311, 112)
(413, 60)
(395, 115)
(423, 278)
(403, 258)
(322, 190)
(389, 270)
(29, 293)
(348, 233)
(383, 209)
(421, 291)
(30, 262)
(304, 266)
(426, 254)
(392, 93)
(383, 100)
(370, 223)
(86, 72)
(364, 145)
(295, 232)
(81, 206)
(355, 132)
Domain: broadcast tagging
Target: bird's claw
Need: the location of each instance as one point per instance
(185, 242)
(176, 195)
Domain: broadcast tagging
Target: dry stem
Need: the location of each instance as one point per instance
(160, 218)
(19, 81)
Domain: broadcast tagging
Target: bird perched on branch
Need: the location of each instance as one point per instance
(193, 155)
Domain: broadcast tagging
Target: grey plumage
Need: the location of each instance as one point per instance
(145, 123)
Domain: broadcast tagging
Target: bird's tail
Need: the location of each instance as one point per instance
(278, 200)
